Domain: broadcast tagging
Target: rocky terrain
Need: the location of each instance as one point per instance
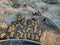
(49, 17)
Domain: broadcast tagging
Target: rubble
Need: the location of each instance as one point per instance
(50, 37)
